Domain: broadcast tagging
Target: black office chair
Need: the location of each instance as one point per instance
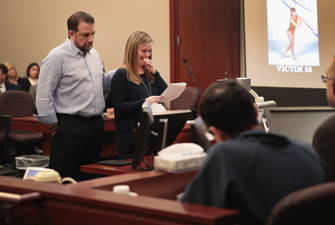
(4, 129)
(16, 104)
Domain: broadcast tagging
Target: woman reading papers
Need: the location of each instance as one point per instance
(135, 82)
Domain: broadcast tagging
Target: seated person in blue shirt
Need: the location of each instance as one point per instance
(137, 81)
(248, 169)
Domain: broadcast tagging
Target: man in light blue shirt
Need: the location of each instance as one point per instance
(70, 98)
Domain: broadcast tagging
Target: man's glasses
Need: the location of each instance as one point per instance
(325, 78)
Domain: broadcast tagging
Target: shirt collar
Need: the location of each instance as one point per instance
(73, 48)
(3, 87)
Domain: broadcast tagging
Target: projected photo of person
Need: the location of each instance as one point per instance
(297, 44)
(295, 22)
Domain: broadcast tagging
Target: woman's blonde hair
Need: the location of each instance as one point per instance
(9, 64)
(136, 40)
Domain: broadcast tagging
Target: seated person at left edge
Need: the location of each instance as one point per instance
(137, 81)
(4, 85)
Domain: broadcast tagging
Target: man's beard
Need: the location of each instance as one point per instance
(85, 49)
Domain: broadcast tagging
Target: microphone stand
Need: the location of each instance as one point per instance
(190, 72)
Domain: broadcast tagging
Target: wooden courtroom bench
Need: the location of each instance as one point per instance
(29, 123)
(93, 202)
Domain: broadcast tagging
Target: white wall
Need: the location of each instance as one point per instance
(299, 124)
(30, 29)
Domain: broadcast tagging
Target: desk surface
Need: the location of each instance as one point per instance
(113, 170)
(30, 123)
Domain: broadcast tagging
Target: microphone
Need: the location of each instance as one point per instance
(185, 61)
(190, 72)
(266, 104)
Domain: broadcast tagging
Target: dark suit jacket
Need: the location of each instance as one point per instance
(24, 83)
(12, 87)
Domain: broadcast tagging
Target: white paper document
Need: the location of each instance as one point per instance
(173, 91)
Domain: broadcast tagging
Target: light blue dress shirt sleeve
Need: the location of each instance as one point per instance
(49, 77)
(107, 79)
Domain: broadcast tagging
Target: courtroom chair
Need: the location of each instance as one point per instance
(4, 129)
(308, 206)
(16, 104)
(189, 99)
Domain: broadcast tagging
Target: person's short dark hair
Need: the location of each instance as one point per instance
(3, 69)
(75, 18)
(29, 67)
(228, 106)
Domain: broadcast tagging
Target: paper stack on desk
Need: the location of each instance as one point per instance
(180, 158)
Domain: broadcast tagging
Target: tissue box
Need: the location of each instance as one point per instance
(25, 161)
(180, 158)
(177, 164)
